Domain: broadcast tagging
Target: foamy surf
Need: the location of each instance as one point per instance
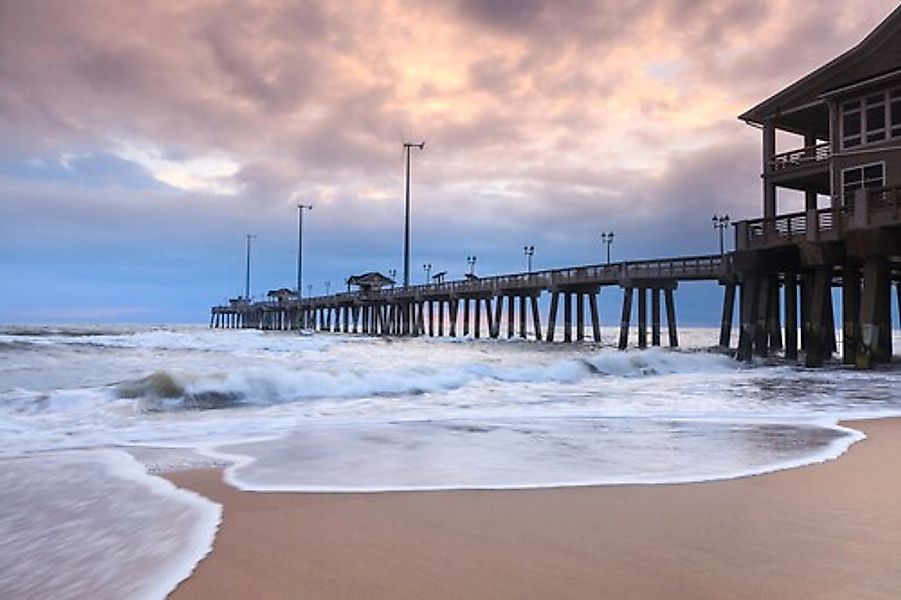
(94, 524)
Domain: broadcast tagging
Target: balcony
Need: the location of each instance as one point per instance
(802, 157)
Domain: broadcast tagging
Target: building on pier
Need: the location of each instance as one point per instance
(846, 116)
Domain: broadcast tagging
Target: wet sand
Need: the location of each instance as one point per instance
(831, 530)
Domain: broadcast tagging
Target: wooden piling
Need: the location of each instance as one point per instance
(510, 311)
(580, 316)
(850, 313)
(816, 339)
(452, 306)
(728, 311)
(441, 318)
(522, 316)
(477, 319)
(552, 316)
(764, 304)
(642, 317)
(791, 316)
(672, 329)
(748, 316)
(655, 316)
(595, 316)
(536, 318)
(465, 316)
(626, 317)
(567, 317)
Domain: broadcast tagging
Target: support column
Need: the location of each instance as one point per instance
(477, 318)
(580, 317)
(626, 317)
(774, 318)
(764, 303)
(642, 317)
(769, 150)
(831, 346)
(567, 317)
(671, 318)
(791, 316)
(748, 316)
(494, 318)
(552, 316)
(511, 303)
(655, 316)
(441, 318)
(728, 311)
(465, 316)
(850, 313)
(816, 336)
(595, 316)
(536, 318)
(452, 307)
(522, 317)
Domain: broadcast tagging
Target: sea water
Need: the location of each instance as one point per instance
(88, 415)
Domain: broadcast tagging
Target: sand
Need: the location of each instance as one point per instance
(826, 531)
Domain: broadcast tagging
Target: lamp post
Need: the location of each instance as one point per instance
(607, 238)
(249, 237)
(529, 251)
(721, 222)
(471, 261)
(407, 147)
(392, 273)
(310, 290)
(328, 285)
(427, 267)
(300, 209)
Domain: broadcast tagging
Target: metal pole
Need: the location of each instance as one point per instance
(247, 269)
(300, 209)
(407, 147)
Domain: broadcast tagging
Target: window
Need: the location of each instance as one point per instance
(895, 113)
(865, 176)
(851, 119)
(873, 119)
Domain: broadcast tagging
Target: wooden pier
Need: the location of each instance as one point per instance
(481, 306)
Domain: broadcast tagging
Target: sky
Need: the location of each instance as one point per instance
(141, 142)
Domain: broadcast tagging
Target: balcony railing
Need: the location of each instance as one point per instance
(802, 157)
(869, 209)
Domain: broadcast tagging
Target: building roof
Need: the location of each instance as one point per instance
(371, 279)
(856, 64)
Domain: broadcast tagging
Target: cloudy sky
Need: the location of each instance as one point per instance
(140, 142)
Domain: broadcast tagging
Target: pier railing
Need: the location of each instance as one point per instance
(868, 208)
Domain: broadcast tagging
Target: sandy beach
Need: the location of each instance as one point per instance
(830, 530)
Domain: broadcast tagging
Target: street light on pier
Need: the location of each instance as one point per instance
(721, 222)
(250, 237)
(310, 290)
(529, 251)
(471, 261)
(392, 273)
(607, 238)
(427, 267)
(407, 147)
(300, 209)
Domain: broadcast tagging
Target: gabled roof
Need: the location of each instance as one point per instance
(371, 279)
(834, 74)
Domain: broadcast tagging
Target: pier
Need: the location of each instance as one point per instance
(846, 169)
(492, 306)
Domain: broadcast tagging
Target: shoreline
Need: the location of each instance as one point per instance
(827, 530)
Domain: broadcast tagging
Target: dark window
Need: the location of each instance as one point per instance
(895, 115)
(855, 178)
(853, 105)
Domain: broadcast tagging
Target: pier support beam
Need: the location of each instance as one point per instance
(671, 318)
(626, 317)
(791, 316)
(536, 318)
(728, 311)
(873, 316)
(465, 316)
(511, 301)
(595, 317)
(816, 338)
(477, 318)
(567, 317)
(522, 317)
(655, 316)
(441, 318)
(748, 316)
(452, 307)
(493, 324)
(850, 313)
(642, 317)
(552, 316)
(580, 316)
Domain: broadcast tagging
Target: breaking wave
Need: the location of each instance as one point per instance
(164, 391)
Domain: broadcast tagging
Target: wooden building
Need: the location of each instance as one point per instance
(847, 119)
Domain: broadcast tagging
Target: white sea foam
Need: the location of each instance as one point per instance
(94, 524)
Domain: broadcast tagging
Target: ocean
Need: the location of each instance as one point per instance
(90, 415)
